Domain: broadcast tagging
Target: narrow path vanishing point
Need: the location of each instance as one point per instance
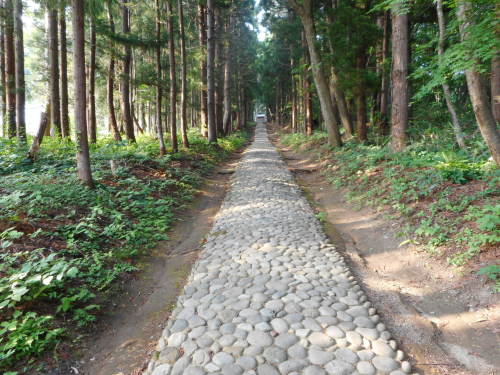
(270, 295)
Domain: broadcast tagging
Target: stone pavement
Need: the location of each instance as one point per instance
(269, 294)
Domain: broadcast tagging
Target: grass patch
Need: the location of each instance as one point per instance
(445, 199)
(63, 246)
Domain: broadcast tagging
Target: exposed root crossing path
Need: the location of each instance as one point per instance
(270, 295)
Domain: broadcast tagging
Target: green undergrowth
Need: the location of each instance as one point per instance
(445, 199)
(63, 247)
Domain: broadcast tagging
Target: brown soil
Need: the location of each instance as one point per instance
(445, 323)
(134, 319)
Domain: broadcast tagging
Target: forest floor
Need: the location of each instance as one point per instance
(446, 321)
(88, 276)
(128, 334)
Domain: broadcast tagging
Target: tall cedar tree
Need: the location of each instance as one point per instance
(20, 83)
(64, 73)
(304, 10)
(173, 82)
(111, 79)
(10, 69)
(82, 154)
(399, 113)
(55, 99)
(159, 124)
(212, 125)
(125, 80)
(184, 67)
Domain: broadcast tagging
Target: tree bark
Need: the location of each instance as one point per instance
(361, 97)
(477, 92)
(185, 141)
(159, 124)
(294, 93)
(64, 74)
(212, 125)
(308, 120)
(55, 99)
(111, 81)
(382, 56)
(10, 67)
(305, 13)
(495, 73)
(37, 140)
(173, 83)
(125, 80)
(226, 121)
(20, 82)
(399, 114)
(92, 116)
(457, 128)
(82, 154)
(2, 74)
(203, 49)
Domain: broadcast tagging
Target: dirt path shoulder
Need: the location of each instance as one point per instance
(447, 326)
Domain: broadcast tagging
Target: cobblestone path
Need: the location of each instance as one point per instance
(270, 295)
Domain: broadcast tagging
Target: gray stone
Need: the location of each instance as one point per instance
(231, 369)
(274, 355)
(222, 358)
(291, 365)
(246, 362)
(194, 370)
(335, 332)
(163, 369)
(385, 364)
(285, 340)
(314, 370)
(346, 355)
(365, 368)
(267, 369)
(297, 352)
(320, 339)
(259, 338)
(339, 367)
(319, 357)
(382, 349)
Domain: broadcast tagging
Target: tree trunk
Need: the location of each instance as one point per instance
(10, 63)
(125, 80)
(92, 116)
(219, 73)
(185, 141)
(111, 81)
(457, 128)
(212, 125)
(226, 121)
(495, 74)
(477, 92)
(82, 154)
(173, 84)
(361, 97)
(294, 94)
(55, 100)
(20, 83)
(495, 86)
(305, 13)
(37, 140)
(308, 120)
(382, 72)
(64, 74)
(399, 114)
(2, 75)
(159, 124)
(203, 47)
